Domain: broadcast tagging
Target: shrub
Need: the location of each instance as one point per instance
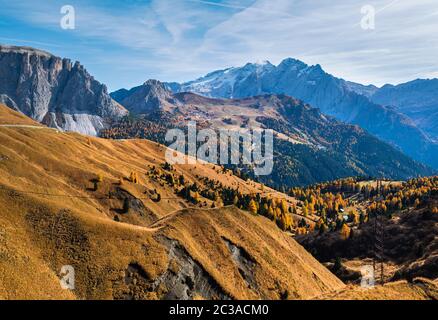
(133, 177)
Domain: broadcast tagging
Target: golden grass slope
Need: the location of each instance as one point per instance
(419, 289)
(10, 117)
(50, 217)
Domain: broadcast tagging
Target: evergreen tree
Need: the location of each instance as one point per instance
(252, 207)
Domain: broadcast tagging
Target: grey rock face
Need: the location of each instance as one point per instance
(54, 91)
(361, 89)
(149, 97)
(336, 97)
(184, 278)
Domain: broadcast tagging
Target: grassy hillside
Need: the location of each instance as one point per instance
(63, 199)
(309, 147)
(419, 289)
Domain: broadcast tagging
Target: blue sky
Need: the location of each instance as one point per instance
(123, 43)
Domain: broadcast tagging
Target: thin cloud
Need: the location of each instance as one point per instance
(238, 7)
(182, 40)
(31, 42)
(387, 6)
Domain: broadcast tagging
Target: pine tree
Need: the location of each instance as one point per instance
(157, 197)
(345, 231)
(284, 207)
(323, 228)
(305, 211)
(338, 264)
(252, 207)
(285, 221)
(218, 200)
(196, 197)
(277, 213)
(271, 214)
(236, 200)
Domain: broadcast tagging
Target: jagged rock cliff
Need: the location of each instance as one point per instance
(54, 91)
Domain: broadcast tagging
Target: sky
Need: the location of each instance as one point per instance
(123, 43)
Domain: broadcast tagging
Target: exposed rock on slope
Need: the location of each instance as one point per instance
(54, 91)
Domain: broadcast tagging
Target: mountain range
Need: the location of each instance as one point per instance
(402, 115)
(305, 106)
(416, 99)
(155, 249)
(309, 146)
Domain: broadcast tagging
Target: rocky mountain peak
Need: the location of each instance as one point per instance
(54, 91)
(148, 97)
(157, 88)
(291, 62)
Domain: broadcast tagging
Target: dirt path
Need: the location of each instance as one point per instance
(26, 126)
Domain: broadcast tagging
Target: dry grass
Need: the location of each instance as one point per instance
(282, 266)
(9, 116)
(420, 289)
(39, 233)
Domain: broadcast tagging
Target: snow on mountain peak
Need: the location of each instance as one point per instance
(262, 62)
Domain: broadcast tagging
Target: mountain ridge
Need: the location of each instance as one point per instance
(318, 147)
(417, 99)
(344, 100)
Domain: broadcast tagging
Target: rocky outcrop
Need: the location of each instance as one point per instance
(54, 91)
(150, 97)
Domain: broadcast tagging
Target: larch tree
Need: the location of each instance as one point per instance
(252, 207)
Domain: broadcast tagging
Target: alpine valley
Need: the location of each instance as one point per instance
(84, 183)
(309, 146)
